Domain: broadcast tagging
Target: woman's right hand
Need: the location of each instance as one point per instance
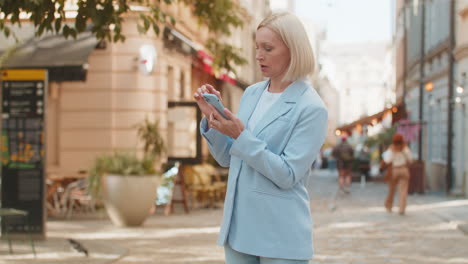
(206, 108)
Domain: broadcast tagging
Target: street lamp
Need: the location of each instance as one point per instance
(460, 88)
(429, 86)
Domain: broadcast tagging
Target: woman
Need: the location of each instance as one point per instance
(270, 147)
(399, 157)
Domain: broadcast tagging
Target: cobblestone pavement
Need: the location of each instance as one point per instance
(349, 229)
(355, 229)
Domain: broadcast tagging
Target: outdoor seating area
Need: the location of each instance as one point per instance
(67, 194)
(206, 185)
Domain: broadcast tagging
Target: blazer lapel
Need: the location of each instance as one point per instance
(284, 104)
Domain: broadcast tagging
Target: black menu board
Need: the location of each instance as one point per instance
(22, 147)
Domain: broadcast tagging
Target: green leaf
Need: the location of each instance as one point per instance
(224, 54)
(66, 31)
(6, 31)
(173, 20)
(40, 30)
(146, 23)
(156, 28)
(80, 23)
(141, 29)
(218, 15)
(58, 25)
(74, 33)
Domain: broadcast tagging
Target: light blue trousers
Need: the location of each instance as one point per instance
(236, 257)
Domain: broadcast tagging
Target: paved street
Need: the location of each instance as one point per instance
(360, 231)
(349, 229)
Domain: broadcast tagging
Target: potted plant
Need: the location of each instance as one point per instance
(127, 184)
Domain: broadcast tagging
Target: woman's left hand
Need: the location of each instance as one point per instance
(231, 127)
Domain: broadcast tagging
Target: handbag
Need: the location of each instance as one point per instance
(388, 170)
(388, 174)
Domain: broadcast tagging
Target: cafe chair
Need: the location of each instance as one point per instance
(11, 215)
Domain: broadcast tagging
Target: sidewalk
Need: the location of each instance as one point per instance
(351, 229)
(357, 229)
(169, 238)
(174, 237)
(58, 250)
(448, 209)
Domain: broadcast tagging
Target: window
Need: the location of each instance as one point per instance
(182, 85)
(170, 83)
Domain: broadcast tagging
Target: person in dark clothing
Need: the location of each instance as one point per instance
(344, 155)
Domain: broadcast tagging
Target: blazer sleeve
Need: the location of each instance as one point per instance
(303, 146)
(218, 143)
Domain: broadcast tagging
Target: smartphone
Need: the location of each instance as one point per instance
(214, 101)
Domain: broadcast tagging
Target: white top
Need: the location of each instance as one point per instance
(266, 101)
(398, 158)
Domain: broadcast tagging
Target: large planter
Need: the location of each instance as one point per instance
(128, 199)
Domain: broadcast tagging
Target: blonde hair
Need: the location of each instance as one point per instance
(292, 32)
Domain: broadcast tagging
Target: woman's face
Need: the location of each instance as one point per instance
(272, 54)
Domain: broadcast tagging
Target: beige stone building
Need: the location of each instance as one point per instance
(329, 95)
(93, 108)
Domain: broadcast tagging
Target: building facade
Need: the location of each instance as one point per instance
(283, 5)
(461, 119)
(328, 93)
(358, 71)
(147, 76)
(431, 65)
(320, 78)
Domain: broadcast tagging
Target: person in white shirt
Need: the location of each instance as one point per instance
(398, 157)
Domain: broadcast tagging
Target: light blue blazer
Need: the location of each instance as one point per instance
(266, 210)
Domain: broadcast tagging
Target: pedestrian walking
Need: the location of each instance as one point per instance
(269, 148)
(344, 155)
(397, 158)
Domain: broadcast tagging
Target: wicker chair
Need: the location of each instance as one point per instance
(204, 185)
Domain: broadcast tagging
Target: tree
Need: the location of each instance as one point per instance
(106, 17)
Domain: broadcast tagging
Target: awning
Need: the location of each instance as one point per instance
(398, 112)
(174, 39)
(66, 59)
(363, 121)
(207, 62)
